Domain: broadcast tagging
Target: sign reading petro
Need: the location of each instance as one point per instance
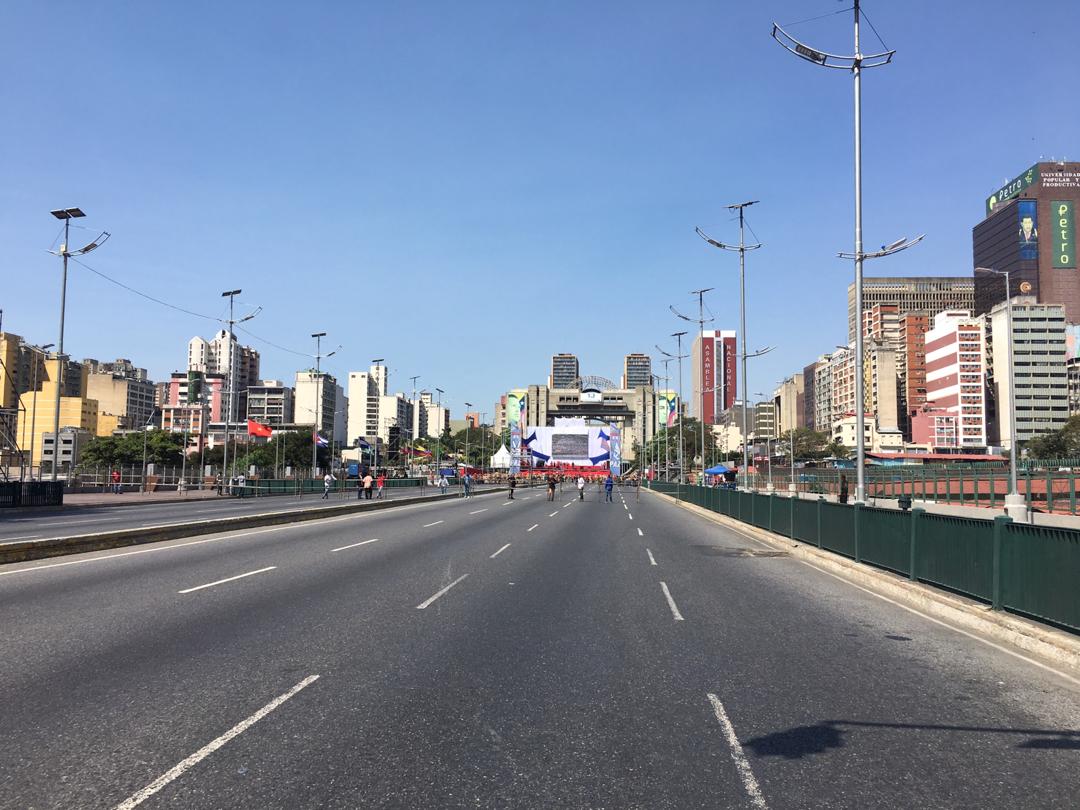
(1012, 189)
(1064, 234)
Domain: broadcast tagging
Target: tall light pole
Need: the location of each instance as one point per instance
(378, 400)
(467, 423)
(439, 429)
(65, 252)
(791, 487)
(741, 248)
(701, 338)
(33, 413)
(667, 387)
(230, 380)
(854, 63)
(1015, 506)
(679, 357)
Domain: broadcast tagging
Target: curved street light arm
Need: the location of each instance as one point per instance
(829, 60)
(886, 250)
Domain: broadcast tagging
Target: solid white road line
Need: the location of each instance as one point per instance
(19, 537)
(500, 551)
(553, 514)
(640, 533)
(436, 523)
(354, 545)
(568, 503)
(431, 599)
(178, 770)
(671, 602)
(477, 511)
(630, 515)
(742, 765)
(533, 527)
(652, 559)
(228, 579)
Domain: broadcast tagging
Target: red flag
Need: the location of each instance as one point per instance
(255, 429)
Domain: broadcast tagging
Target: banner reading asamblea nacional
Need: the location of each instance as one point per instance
(515, 417)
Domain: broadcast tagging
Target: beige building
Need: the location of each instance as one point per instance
(787, 400)
(129, 403)
(877, 441)
(37, 410)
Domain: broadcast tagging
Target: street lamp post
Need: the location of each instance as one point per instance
(378, 398)
(1015, 505)
(439, 430)
(741, 248)
(701, 338)
(65, 214)
(467, 423)
(854, 63)
(678, 356)
(145, 429)
(230, 379)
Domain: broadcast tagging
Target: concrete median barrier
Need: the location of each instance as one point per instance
(23, 550)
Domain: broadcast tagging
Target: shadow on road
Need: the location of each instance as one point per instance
(796, 743)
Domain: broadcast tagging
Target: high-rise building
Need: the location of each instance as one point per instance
(637, 371)
(376, 413)
(1040, 376)
(122, 367)
(37, 409)
(223, 354)
(1029, 230)
(129, 399)
(319, 401)
(764, 420)
(712, 369)
(270, 402)
(928, 294)
(564, 370)
(788, 403)
(956, 381)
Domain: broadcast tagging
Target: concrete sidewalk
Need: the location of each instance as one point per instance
(137, 498)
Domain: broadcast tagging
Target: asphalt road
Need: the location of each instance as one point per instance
(70, 521)
(482, 653)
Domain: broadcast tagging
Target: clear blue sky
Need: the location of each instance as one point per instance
(466, 188)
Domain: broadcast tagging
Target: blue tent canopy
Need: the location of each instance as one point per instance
(719, 469)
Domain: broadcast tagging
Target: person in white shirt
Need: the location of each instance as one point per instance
(581, 487)
(328, 479)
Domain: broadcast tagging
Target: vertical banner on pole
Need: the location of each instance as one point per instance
(515, 415)
(616, 450)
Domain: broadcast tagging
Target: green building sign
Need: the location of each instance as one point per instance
(1064, 244)
(1013, 188)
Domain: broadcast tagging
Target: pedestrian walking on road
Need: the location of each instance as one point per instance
(843, 489)
(327, 482)
(443, 484)
(368, 482)
(551, 487)
(466, 484)
(581, 488)
(219, 482)
(512, 482)
(379, 483)
(116, 485)
(609, 484)
(241, 483)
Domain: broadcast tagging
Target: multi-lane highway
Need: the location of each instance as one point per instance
(495, 653)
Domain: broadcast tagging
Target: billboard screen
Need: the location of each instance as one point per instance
(1027, 214)
(1064, 234)
(569, 446)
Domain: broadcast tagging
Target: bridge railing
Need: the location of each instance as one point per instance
(1029, 570)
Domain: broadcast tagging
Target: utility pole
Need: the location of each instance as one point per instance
(741, 248)
(230, 382)
(317, 416)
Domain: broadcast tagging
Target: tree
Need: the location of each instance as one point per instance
(837, 450)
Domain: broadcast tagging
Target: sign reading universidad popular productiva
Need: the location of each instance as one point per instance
(1064, 234)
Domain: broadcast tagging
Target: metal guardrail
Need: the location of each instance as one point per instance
(1029, 570)
(31, 493)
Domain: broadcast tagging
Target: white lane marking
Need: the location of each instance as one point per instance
(553, 514)
(509, 502)
(568, 503)
(354, 545)
(477, 512)
(19, 537)
(533, 527)
(630, 515)
(652, 559)
(178, 770)
(228, 579)
(640, 533)
(436, 523)
(500, 551)
(431, 599)
(671, 602)
(624, 506)
(230, 536)
(742, 765)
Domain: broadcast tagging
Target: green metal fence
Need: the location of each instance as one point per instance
(1030, 570)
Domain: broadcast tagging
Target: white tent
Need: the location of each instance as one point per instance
(501, 459)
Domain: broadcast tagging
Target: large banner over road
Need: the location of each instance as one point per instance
(581, 446)
(515, 417)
